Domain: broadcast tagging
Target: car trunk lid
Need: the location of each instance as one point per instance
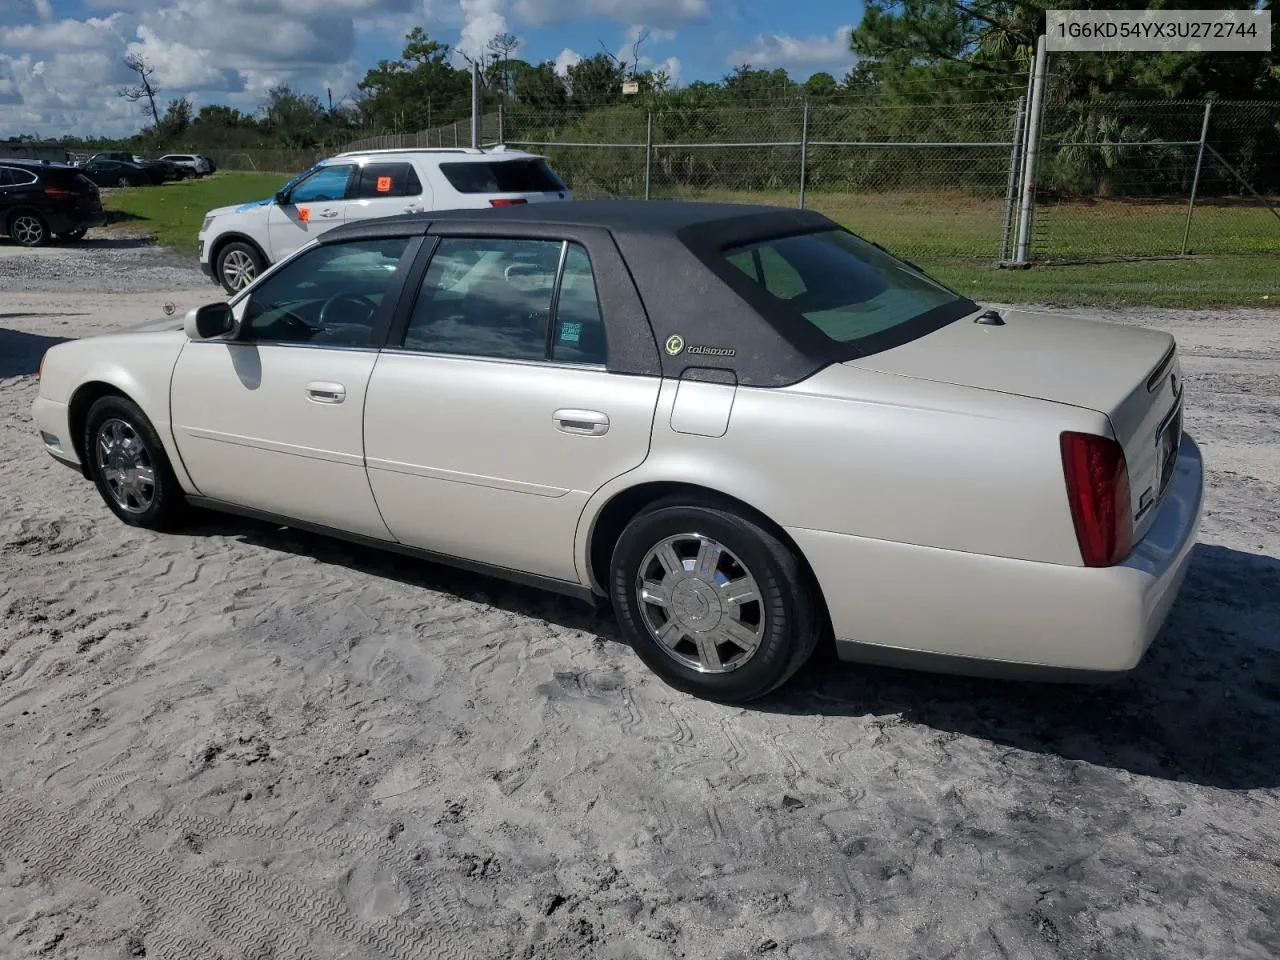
(1132, 375)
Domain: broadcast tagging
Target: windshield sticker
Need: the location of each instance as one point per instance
(570, 332)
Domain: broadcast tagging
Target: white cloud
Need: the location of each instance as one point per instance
(482, 20)
(567, 58)
(796, 53)
(91, 34)
(542, 12)
(44, 9)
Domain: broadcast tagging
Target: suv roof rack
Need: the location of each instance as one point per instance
(384, 150)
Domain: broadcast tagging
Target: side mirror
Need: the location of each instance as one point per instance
(211, 320)
(282, 197)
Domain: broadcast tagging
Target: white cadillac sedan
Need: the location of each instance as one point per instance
(747, 428)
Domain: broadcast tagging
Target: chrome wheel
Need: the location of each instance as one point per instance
(238, 270)
(700, 603)
(27, 230)
(126, 466)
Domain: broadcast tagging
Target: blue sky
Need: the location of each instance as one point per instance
(60, 60)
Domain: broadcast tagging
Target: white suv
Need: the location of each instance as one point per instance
(238, 243)
(196, 164)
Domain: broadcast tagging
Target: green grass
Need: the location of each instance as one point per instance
(1235, 247)
(172, 213)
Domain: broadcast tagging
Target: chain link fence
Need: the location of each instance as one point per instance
(1114, 180)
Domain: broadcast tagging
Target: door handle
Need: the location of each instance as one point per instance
(328, 214)
(413, 208)
(321, 392)
(587, 423)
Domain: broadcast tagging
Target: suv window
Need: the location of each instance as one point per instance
(503, 176)
(327, 183)
(387, 180)
(15, 177)
(495, 297)
(329, 295)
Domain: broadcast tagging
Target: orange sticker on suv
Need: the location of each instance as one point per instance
(384, 184)
(304, 214)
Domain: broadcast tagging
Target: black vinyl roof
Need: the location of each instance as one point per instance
(622, 218)
(670, 253)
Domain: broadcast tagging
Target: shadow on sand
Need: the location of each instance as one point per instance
(1202, 707)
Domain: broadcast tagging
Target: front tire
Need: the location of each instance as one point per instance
(238, 265)
(713, 602)
(128, 464)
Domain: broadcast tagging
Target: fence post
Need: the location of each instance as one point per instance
(804, 151)
(1033, 148)
(475, 105)
(1195, 180)
(455, 133)
(1015, 165)
(502, 124)
(648, 152)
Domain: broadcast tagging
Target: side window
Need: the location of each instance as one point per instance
(388, 180)
(6, 177)
(579, 327)
(330, 295)
(487, 298)
(327, 183)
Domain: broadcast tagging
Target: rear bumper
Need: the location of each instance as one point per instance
(64, 221)
(942, 610)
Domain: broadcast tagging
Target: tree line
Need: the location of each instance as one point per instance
(925, 70)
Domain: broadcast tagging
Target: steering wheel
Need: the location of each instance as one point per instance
(357, 298)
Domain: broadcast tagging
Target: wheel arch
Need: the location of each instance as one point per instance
(82, 400)
(223, 240)
(611, 519)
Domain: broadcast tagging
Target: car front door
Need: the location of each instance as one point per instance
(272, 418)
(493, 418)
(385, 189)
(313, 205)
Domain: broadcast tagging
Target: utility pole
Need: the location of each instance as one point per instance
(475, 104)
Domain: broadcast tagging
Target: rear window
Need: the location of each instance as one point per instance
(850, 290)
(503, 176)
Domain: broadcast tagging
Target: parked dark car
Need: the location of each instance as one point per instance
(116, 173)
(42, 201)
(162, 171)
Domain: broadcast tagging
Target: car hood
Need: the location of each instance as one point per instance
(1060, 358)
(240, 207)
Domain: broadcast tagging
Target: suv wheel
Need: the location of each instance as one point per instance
(712, 602)
(238, 266)
(28, 229)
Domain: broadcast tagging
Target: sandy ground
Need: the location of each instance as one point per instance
(241, 741)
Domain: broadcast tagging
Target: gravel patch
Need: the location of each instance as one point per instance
(104, 264)
(240, 740)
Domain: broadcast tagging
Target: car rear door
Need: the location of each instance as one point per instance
(492, 415)
(314, 205)
(273, 419)
(385, 189)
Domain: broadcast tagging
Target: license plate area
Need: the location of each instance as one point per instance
(1168, 442)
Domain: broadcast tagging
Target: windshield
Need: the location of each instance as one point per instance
(849, 289)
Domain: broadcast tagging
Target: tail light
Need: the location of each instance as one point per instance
(60, 192)
(507, 203)
(1098, 493)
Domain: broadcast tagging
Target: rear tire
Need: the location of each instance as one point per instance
(713, 602)
(27, 228)
(238, 265)
(128, 464)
